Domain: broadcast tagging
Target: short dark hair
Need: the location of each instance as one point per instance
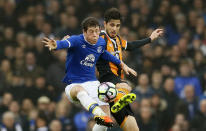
(112, 13)
(89, 22)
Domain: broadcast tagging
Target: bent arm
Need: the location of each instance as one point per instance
(109, 57)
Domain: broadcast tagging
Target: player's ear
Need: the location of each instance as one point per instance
(105, 23)
(84, 31)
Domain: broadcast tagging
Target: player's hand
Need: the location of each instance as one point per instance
(65, 37)
(51, 44)
(156, 33)
(128, 70)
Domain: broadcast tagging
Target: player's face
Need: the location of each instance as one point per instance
(112, 27)
(92, 34)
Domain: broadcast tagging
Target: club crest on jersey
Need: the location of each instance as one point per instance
(83, 46)
(88, 61)
(99, 49)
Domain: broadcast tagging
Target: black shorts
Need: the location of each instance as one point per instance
(126, 111)
(111, 78)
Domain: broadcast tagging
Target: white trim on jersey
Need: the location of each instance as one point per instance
(115, 44)
(125, 45)
(68, 43)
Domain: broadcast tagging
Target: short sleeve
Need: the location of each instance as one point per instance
(124, 43)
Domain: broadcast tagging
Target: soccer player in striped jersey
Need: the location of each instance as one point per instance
(83, 52)
(109, 72)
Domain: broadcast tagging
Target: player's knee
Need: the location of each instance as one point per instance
(124, 86)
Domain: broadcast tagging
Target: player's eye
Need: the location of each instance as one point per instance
(91, 31)
(97, 31)
(112, 25)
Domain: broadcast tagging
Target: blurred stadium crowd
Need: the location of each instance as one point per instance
(171, 82)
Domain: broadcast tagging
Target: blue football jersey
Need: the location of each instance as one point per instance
(82, 57)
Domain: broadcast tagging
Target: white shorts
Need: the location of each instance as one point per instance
(91, 87)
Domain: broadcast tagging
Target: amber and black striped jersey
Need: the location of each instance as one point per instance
(115, 46)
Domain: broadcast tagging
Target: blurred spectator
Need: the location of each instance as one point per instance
(46, 31)
(31, 69)
(171, 98)
(81, 120)
(174, 60)
(41, 122)
(158, 57)
(15, 109)
(19, 61)
(39, 90)
(16, 88)
(176, 128)
(6, 73)
(56, 72)
(198, 123)
(146, 122)
(33, 114)
(156, 81)
(159, 106)
(9, 53)
(41, 52)
(55, 125)
(27, 106)
(63, 113)
(9, 122)
(183, 46)
(188, 105)
(5, 102)
(68, 29)
(143, 90)
(43, 103)
(8, 37)
(186, 78)
(180, 123)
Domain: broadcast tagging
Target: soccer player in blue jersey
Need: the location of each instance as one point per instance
(83, 52)
(108, 72)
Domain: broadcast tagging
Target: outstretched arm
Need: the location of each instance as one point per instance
(109, 57)
(138, 43)
(59, 44)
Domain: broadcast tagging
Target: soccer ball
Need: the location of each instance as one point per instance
(107, 92)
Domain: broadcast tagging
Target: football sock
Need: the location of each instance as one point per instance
(99, 128)
(121, 93)
(89, 104)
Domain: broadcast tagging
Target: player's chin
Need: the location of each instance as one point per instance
(113, 35)
(94, 42)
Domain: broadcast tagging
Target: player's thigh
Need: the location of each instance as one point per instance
(74, 91)
(91, 87)
(123, 85)
(130, 124)
(106, 109)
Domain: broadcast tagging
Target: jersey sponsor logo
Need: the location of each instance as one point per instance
(88, 61)
(99, 49)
